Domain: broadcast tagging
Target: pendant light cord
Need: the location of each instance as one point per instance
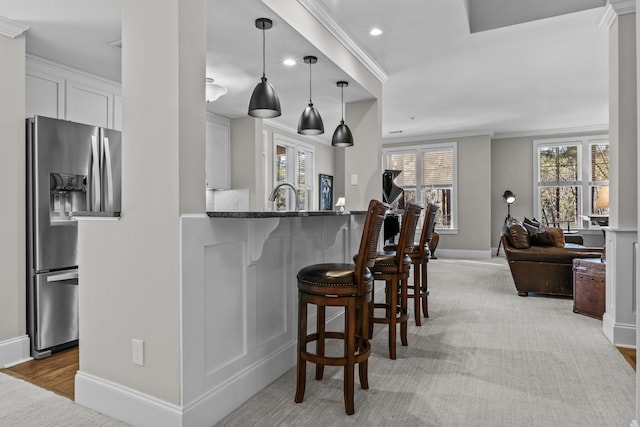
(263, 53)
(342, 101)
(310, 102)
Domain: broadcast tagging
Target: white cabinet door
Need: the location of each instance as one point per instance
(218, 158)
(89, 105)
(44, 95)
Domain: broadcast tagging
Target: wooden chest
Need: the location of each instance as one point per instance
(589, 287)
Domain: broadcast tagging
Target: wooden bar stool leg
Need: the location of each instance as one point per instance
(417, 292)
(320, 328)
(392, 286)
(425, 291)
(363, 367)
(349, 354)
(403, 310)
(301, 371)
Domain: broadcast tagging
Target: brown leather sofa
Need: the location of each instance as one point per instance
(542, 269)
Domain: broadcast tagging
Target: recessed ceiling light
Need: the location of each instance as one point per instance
(290, 62)
(375, 31)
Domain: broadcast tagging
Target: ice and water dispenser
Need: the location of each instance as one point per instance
(67, 194)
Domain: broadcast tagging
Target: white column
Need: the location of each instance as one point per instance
(619, 320)
(130, 269)
(14, 344)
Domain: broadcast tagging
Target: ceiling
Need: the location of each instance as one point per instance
(518, 71)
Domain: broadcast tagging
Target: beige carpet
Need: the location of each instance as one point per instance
(24, 405)
(485, 357)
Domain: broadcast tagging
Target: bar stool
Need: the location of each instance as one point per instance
(343, 285)
(419, 290)
(393, 267)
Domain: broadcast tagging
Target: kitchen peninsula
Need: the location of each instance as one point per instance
(239, 295)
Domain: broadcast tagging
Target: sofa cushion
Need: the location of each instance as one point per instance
(516, 233)
(556, 234)
(538, 236)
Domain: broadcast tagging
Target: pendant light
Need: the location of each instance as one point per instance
(342, 135)
(264, 102)
(310, 122)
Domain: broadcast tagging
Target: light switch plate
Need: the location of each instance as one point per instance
(354, 179)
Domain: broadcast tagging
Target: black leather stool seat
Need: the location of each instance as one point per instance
(316, 278)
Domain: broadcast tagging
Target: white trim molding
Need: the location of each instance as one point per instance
(9, 28)
(14, 351)
(123, 403)
(322, 14)
(614, 9)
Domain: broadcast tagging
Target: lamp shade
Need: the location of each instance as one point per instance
(341, 201)
(264, 102)
(509, 197)
(342, 136)
(310, 122)
(603, 197)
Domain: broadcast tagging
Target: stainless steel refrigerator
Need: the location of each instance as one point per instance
(72, 169)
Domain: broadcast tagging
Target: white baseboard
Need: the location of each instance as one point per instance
(14, 351)
(224, 399)
(125, 404)
(620, 335)
(464, 253)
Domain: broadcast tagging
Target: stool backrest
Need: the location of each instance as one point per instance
(407, 232)
(428, 225)
(369, 241)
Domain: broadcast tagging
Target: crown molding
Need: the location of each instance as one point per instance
(9, 28)
(562, 131)
(438, 136)
(614, 9)
(322, 14)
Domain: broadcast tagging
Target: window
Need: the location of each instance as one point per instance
(428, 175)
(566, 170)
(293, 163)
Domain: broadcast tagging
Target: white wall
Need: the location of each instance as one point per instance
(12, 174)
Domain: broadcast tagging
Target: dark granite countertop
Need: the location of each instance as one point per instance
(274, 214)
(96, 214)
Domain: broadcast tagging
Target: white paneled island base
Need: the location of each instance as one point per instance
(239, 300)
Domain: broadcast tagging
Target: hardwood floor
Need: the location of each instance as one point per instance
(629, 355)
(55, 373)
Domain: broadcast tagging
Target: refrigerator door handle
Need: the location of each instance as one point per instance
(108, 202)
(94, 198)
(62, 277)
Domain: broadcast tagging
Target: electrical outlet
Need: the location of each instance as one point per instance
(137, 347)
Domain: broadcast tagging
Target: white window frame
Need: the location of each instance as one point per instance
(584, 181)
(418, 149)
(293, 146)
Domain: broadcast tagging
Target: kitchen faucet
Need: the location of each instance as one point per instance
(272, 196)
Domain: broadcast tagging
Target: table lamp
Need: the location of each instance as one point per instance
(340, 204)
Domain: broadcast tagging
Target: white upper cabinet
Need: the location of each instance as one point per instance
(218, 153)
(60, 92)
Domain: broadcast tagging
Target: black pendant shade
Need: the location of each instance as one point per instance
(342, 135)
(310, 122)
(264, 102)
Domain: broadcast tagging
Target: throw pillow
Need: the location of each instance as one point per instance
(516, 233)
(556, 234)
(534, 222)
(538, 236)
